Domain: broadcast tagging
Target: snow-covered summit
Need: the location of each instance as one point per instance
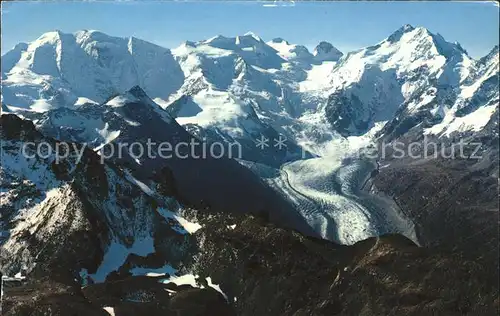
(290, 52)
(434, 42)
(407, 50)
(58, 68)
(325, 51)
(400, 32)
(412, 74)
(242, 85)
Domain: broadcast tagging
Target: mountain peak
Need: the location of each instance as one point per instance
(189, 43)
(396, 36)
(86, 32)
(4, 108)
(325, 51)
(51, 36)
(224, 42)
(407, 28)
(21, 46)
(138, 92)
(445, 48)
(493, 52)
(409, 33)
(215, 39)
(255, 36)
(133, 95)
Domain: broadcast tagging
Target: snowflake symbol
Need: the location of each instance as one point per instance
(280, 142)
(262, 142)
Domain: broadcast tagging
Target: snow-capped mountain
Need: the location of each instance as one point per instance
(290, 52)
(61, 70)
(240, 89)
(325, 51)
(413, 68)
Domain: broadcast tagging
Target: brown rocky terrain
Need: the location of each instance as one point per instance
(267, 270)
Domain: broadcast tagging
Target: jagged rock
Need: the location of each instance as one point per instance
(325, 51)
(268, 270)
(46, 297)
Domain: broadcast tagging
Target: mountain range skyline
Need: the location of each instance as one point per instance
(310, 49)
(306, 23)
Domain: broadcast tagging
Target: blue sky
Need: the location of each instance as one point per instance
(347, 25)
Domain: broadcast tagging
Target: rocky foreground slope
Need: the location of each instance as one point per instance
(267, 270)
(238, 264)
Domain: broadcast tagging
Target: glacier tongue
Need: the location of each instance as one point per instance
(328, 192)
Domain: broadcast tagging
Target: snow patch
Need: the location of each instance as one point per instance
(317, 77)
(109, 310)
(140, 184)
(83, 100)
(474, 121)
(121, 100)
(117, 253)
(190, 279)
(185, 225)
(107, 135)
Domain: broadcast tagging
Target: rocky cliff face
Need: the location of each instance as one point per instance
(452, 198)
(325, 51)
(267, 270)
(76, 214)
